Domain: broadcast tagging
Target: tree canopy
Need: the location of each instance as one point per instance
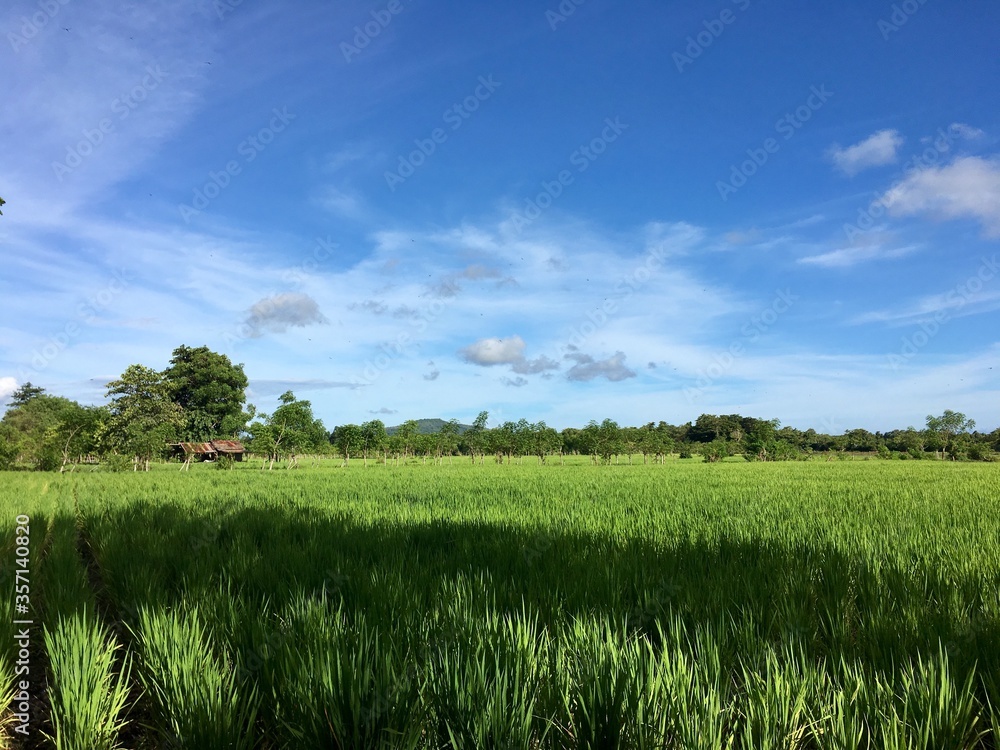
(210, 389)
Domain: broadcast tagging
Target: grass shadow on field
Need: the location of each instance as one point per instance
(835, 606)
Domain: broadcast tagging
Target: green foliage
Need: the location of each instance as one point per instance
(291, 429)
(10, 446)
(89, 691)
(45, 431)
(714, 451)
(117, 463)
(198, 700)
(142, 417)
(347, 439)
(225, 463)
(210, 389)
(813, 605)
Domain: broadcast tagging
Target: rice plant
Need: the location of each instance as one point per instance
(90, 686)
(845, 606)
(198, 701)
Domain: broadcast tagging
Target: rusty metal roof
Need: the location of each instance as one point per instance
(197, 447)
(228, 446)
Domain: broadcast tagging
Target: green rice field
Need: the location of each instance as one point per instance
(851, 604)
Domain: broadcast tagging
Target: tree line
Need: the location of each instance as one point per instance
(201, 396)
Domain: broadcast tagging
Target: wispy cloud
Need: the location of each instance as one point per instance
(344, 203)
(265, 387)
(878, 149)
(851, 256)
(518, 382)
(968, 188)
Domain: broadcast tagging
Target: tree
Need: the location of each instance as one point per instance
(291, 429)
(477, 437)
(10, 446)
(24, 394)
(631, 440)
(760, 441)
(373, 438)
(860, 440)
(142, 417)
(348, 438)
(447, 439)
(714, 451)
(602, 440)
(2, 202)
(948, 427)
(407, 433)
(49, 431)
(211, 390)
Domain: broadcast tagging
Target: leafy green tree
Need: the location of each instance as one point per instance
(631, 441)
(49, 431)
(407, 434)
(861, 441)
(602, 441)
(290, 430)
(24, 394)
(2, 202)
(947, 428)
(714, 451)
(760, 443)
(211, 390)
(657, 441)
(142, 417)
(373, 438)
(477, 438)
(10, 446)
(348, 438)
(447, 439)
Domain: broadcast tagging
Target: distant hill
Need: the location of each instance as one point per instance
(430, 427)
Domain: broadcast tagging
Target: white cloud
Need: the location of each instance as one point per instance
(348, 205)
(968, 188)
(510, 351)
(587, 368)
(283, 311)
(967, 131)
(876, 150)
(7, 387)
(489, 352)
(851, 256)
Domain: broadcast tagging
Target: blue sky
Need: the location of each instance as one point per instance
(566, 211)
